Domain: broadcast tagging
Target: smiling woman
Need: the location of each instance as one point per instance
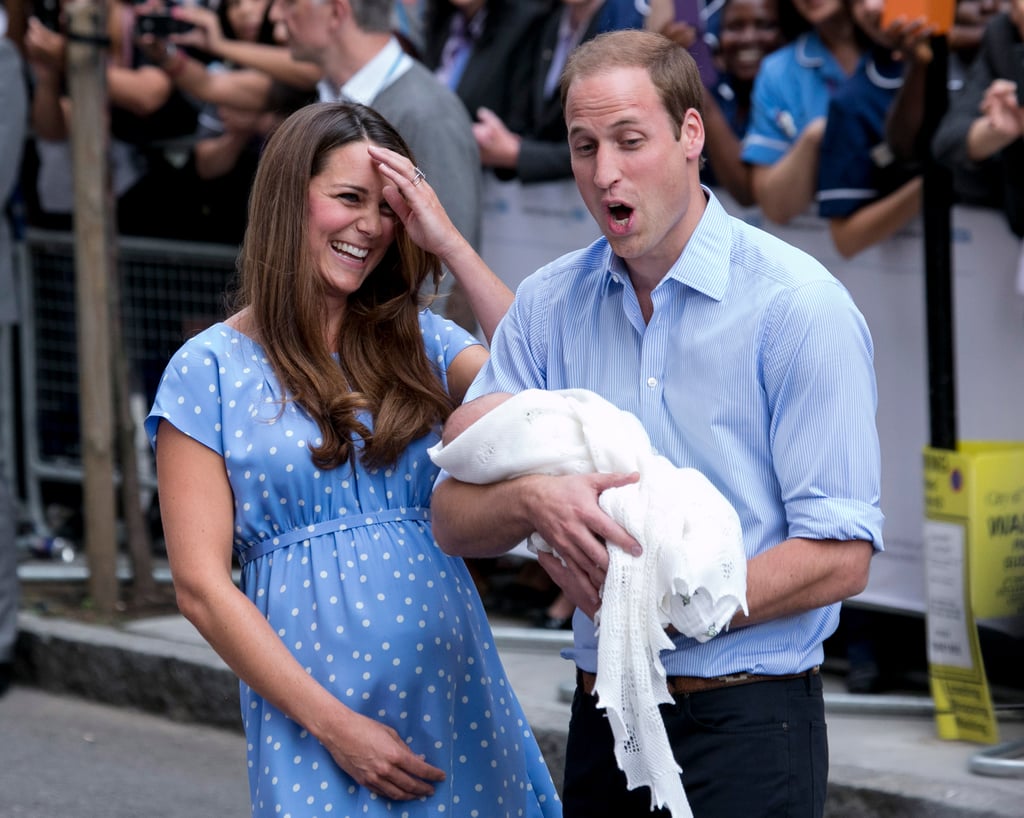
(351, 225)
(295, 435)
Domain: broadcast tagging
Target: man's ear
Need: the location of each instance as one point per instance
(340, 9)
(692, 133)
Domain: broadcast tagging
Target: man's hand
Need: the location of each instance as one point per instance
(45, 49)
(566, 514)
(1000, 106)
(499, 147)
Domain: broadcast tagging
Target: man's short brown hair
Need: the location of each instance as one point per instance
(671, 68)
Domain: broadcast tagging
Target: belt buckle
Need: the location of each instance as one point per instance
(734, 678)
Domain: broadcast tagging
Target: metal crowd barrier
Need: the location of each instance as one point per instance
(168, 291)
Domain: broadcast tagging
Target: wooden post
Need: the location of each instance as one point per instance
(87, 82)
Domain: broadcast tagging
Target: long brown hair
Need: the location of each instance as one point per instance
(381, 365)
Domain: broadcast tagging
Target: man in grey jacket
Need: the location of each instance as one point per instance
(362, 61)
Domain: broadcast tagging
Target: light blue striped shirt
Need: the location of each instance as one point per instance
(756, 368)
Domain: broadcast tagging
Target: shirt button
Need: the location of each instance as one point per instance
(652, 382)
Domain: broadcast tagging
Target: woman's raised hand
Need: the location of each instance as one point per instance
(414, 201)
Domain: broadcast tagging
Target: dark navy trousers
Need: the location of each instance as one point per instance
(747, 751)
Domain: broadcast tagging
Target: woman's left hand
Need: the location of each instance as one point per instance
(415, 203)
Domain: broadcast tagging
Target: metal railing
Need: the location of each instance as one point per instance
(168, 291)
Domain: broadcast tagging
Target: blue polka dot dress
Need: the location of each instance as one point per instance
(344, 567)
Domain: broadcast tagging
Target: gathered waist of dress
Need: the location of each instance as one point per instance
(259, 548)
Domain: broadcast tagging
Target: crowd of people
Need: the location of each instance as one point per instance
(350, 212)
(810, 107)
(191, 103)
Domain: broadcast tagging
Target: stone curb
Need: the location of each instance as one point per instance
(187, 683)
(178, 681)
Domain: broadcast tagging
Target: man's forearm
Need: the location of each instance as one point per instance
(799, 575)
(479, 521)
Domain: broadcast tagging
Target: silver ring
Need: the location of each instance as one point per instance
(418, 177)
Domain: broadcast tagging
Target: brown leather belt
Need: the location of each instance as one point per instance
(684, 685)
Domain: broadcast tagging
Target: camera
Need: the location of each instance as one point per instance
(48, 13)
(160, 25)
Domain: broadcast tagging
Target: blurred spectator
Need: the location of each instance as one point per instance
(362, 61)
(409, 18)
(239, 107)
(965, 37)
(13, 130)
(749, 31)
(146, 115)
(864, 191)
(258, 47)
(982, 130)
(532, 144)
(472, 45)
(790, 102)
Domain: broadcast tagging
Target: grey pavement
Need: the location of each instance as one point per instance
(886, 760)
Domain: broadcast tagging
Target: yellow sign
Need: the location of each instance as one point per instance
(974, 555)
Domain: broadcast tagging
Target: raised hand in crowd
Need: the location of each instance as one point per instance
(979, 136)
(499, 146)
(1001, 123)
(254, 47)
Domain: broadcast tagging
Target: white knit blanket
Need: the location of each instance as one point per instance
(692, 573)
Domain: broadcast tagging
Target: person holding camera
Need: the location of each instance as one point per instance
(238, 34)
(146, 115)
(240, 103)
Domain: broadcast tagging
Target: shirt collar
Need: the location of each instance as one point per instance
(702, 266)
(389, 64)
(883, 71)
(810, 51)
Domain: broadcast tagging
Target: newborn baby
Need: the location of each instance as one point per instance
(691, 575)
(469, 413)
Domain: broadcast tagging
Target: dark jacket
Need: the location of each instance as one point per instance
(510, 27)
(544, 151)
(1003, 173)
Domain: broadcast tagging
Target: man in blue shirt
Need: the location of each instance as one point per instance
(743, 358)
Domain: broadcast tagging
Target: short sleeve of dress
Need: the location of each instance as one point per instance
(189, 395)
(443, 341)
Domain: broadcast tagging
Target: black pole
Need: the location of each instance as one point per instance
(938, 261)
